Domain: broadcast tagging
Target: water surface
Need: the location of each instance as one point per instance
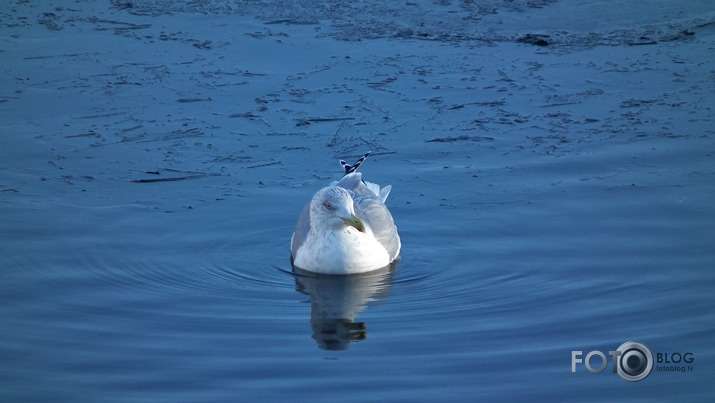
(548, 200)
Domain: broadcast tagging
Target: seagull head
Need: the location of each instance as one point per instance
(332, 208)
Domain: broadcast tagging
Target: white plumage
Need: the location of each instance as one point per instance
(346, 228)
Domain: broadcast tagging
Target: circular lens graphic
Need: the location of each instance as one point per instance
(635, 361)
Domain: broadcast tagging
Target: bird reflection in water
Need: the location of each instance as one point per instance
(336, 300)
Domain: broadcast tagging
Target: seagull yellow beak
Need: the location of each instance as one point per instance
(355, 222)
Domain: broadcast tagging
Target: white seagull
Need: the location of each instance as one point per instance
(346, 228)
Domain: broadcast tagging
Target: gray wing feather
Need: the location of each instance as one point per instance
(301, 230)
(377, 217)
(370, 207)
(353, 182)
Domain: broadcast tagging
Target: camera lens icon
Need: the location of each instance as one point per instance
(635, 361)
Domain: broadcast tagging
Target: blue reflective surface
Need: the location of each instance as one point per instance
(547, 200)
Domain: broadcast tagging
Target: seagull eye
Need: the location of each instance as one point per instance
(327, 205)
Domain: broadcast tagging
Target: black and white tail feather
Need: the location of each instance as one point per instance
(374, 188)
(352, 168)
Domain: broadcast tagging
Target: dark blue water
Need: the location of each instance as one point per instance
(566, 217)
(489, 299)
